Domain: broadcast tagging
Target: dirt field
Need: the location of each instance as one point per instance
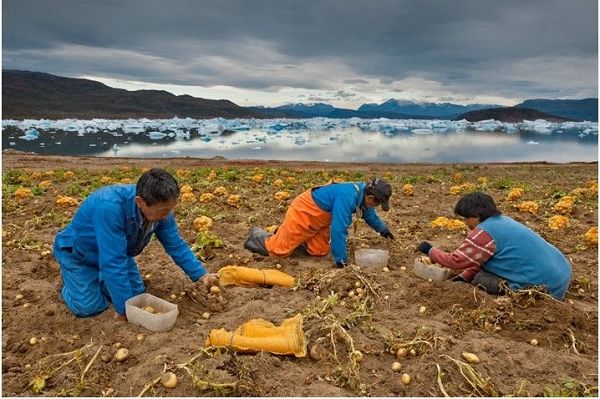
(457, 317)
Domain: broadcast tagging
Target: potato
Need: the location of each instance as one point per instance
(534, 342)
(413, 352)
(405, 379)
(168, 380)
(403, 268)
(206, 315)
(173, 296)
(140, 337)
(33, 341)
(316, 352)
(122, 354)
(358, 284)
(422, 309)
(386, 269)
(396, 366)
(426, 260)
(215, 290)
(402, 352)
(149, 309)
(359, 290)
(470, 357)
(357, 356)
(19, 296)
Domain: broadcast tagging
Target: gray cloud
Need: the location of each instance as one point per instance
(468, 47)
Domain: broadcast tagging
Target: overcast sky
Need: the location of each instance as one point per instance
(343, 52)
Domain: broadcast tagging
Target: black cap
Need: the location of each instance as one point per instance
(382, 191)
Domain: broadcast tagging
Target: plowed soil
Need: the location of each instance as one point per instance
(456, 317)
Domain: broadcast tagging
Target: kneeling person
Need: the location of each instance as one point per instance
(323, 214)
(113, 225)
(500, 249)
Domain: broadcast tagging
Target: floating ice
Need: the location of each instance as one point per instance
(30, 134)
(422, 131)
(265, 130)
(156, 135)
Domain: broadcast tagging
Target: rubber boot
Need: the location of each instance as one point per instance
(256, 241)
(301, 250)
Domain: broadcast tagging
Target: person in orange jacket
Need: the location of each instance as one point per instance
(322, 215)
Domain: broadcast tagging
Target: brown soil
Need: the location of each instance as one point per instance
(457, 317)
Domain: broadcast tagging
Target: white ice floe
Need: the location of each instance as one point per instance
(30, 134)
(209, 129)
(156, 135)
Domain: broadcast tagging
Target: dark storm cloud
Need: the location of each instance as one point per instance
(478, 46)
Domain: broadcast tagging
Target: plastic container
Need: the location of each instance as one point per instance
(433, 272)
(163, 320)
(371, 257)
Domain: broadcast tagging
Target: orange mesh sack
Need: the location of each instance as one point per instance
(249, 277)
(260, 335)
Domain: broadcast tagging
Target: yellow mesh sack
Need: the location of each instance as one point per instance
(260, 335)
(249, 277)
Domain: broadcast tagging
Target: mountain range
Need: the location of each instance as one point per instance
(39, 95)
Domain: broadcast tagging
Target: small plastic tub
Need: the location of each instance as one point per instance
(162, 320)
(431, 271)
(367, 257)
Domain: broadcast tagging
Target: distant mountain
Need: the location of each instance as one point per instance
(580, 110)
(329, 111)
(41, 95)
(428, 110)
(297, 110)
(509, 114)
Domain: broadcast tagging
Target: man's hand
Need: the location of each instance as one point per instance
(120, 317)
(424, 247)
(387, 234)
(210, 279)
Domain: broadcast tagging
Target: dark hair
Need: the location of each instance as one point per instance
(157, 186)
(476, 204)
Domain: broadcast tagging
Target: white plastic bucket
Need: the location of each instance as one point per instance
(161, 321)
(433, 272)
(367, 257)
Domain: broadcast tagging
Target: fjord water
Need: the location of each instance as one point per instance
(325, 140)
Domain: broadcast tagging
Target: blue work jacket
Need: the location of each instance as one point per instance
(106, 232)
(342, 200)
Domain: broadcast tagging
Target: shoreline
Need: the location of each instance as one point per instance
(16, 159)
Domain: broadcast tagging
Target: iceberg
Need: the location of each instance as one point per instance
(30, 134)
(156, 135)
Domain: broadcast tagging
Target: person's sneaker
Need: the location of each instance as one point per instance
(256, 241)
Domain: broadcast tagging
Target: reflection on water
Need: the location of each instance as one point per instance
(351, 145)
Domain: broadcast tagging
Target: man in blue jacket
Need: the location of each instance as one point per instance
(322, 215)
(113, 225)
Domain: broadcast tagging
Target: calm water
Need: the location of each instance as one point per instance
(347, 144)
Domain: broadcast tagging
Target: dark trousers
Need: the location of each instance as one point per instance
(488, 282)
